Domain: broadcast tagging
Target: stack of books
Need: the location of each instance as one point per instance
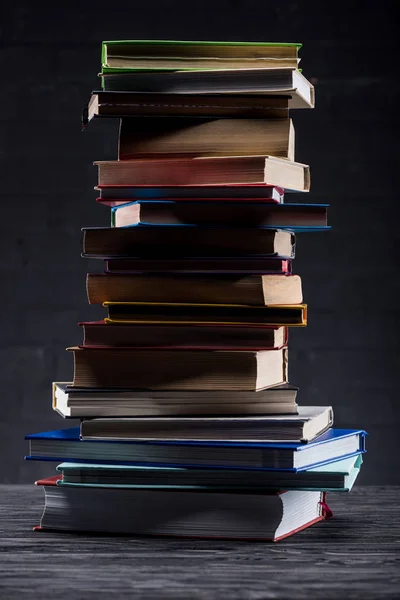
(189, 426)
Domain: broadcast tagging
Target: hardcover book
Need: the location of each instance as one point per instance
(214, 265)
(337, 476)
(287, 82)
(256, 290)
(133, 104)
(160, 55)
(295, 217)
(223, 170)
(65, 445)
(115, 195)
(309, 423)
(165, 369)
(196, 336)
(73, 401)
(157, 137)
(186, 242)
(181, 513)
(211, 314)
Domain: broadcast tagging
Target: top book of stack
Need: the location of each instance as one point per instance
(206, 68)
(170, 55)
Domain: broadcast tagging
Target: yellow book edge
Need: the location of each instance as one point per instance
(302, 307)
(147, 322)
(285, 306)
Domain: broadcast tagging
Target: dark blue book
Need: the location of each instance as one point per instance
(222, 213)
(65, 445)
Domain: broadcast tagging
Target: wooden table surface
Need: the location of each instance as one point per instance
(354, 555)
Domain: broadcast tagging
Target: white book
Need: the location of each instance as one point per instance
(310, 422)
(287, 82)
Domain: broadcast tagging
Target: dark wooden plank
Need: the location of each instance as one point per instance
(354, 555)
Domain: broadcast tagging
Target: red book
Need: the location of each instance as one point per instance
(260, 170)
(220, 265)
(49, 480)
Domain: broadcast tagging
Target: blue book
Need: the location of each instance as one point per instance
(221, 213)
(65, 445)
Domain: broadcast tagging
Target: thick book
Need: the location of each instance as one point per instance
(338, 476)
(293, 315)
(189, 337)
(180, 513)
(65, 445)
(72, 401)
(183, 137)
(286, 82)
(257, 290)
(223, 170)
(196, 336)
(227, 266)
(173, 55)
(186, 242)
(112, 195)
(133, 104)
(295, 217)
(309, 423)
(164, 369)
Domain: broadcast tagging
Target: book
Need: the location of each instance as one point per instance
(185, 137)
(189, 337)
(309, 423)
(295, 217)
(186, 242)
(231, 314)
(257, 290)
(161, 55)
(286, 82)
(72, 401)
(133, 104)
(65, 445)
(338, 476)
(111, 195)
(222, 170)
(159, 369)
(221, 265)
(180, 513)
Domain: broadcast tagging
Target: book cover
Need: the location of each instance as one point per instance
(294, 217)
(188, 51)
(339, 476)
(283, 315)
(73, 449)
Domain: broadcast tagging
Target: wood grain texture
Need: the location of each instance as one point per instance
(354, 555)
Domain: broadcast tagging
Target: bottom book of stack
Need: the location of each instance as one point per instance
(238, 477)
(242, 514)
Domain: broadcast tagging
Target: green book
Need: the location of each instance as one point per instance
(171, 55)
(338, 476)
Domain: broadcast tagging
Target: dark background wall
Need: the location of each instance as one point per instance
(348, 356)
